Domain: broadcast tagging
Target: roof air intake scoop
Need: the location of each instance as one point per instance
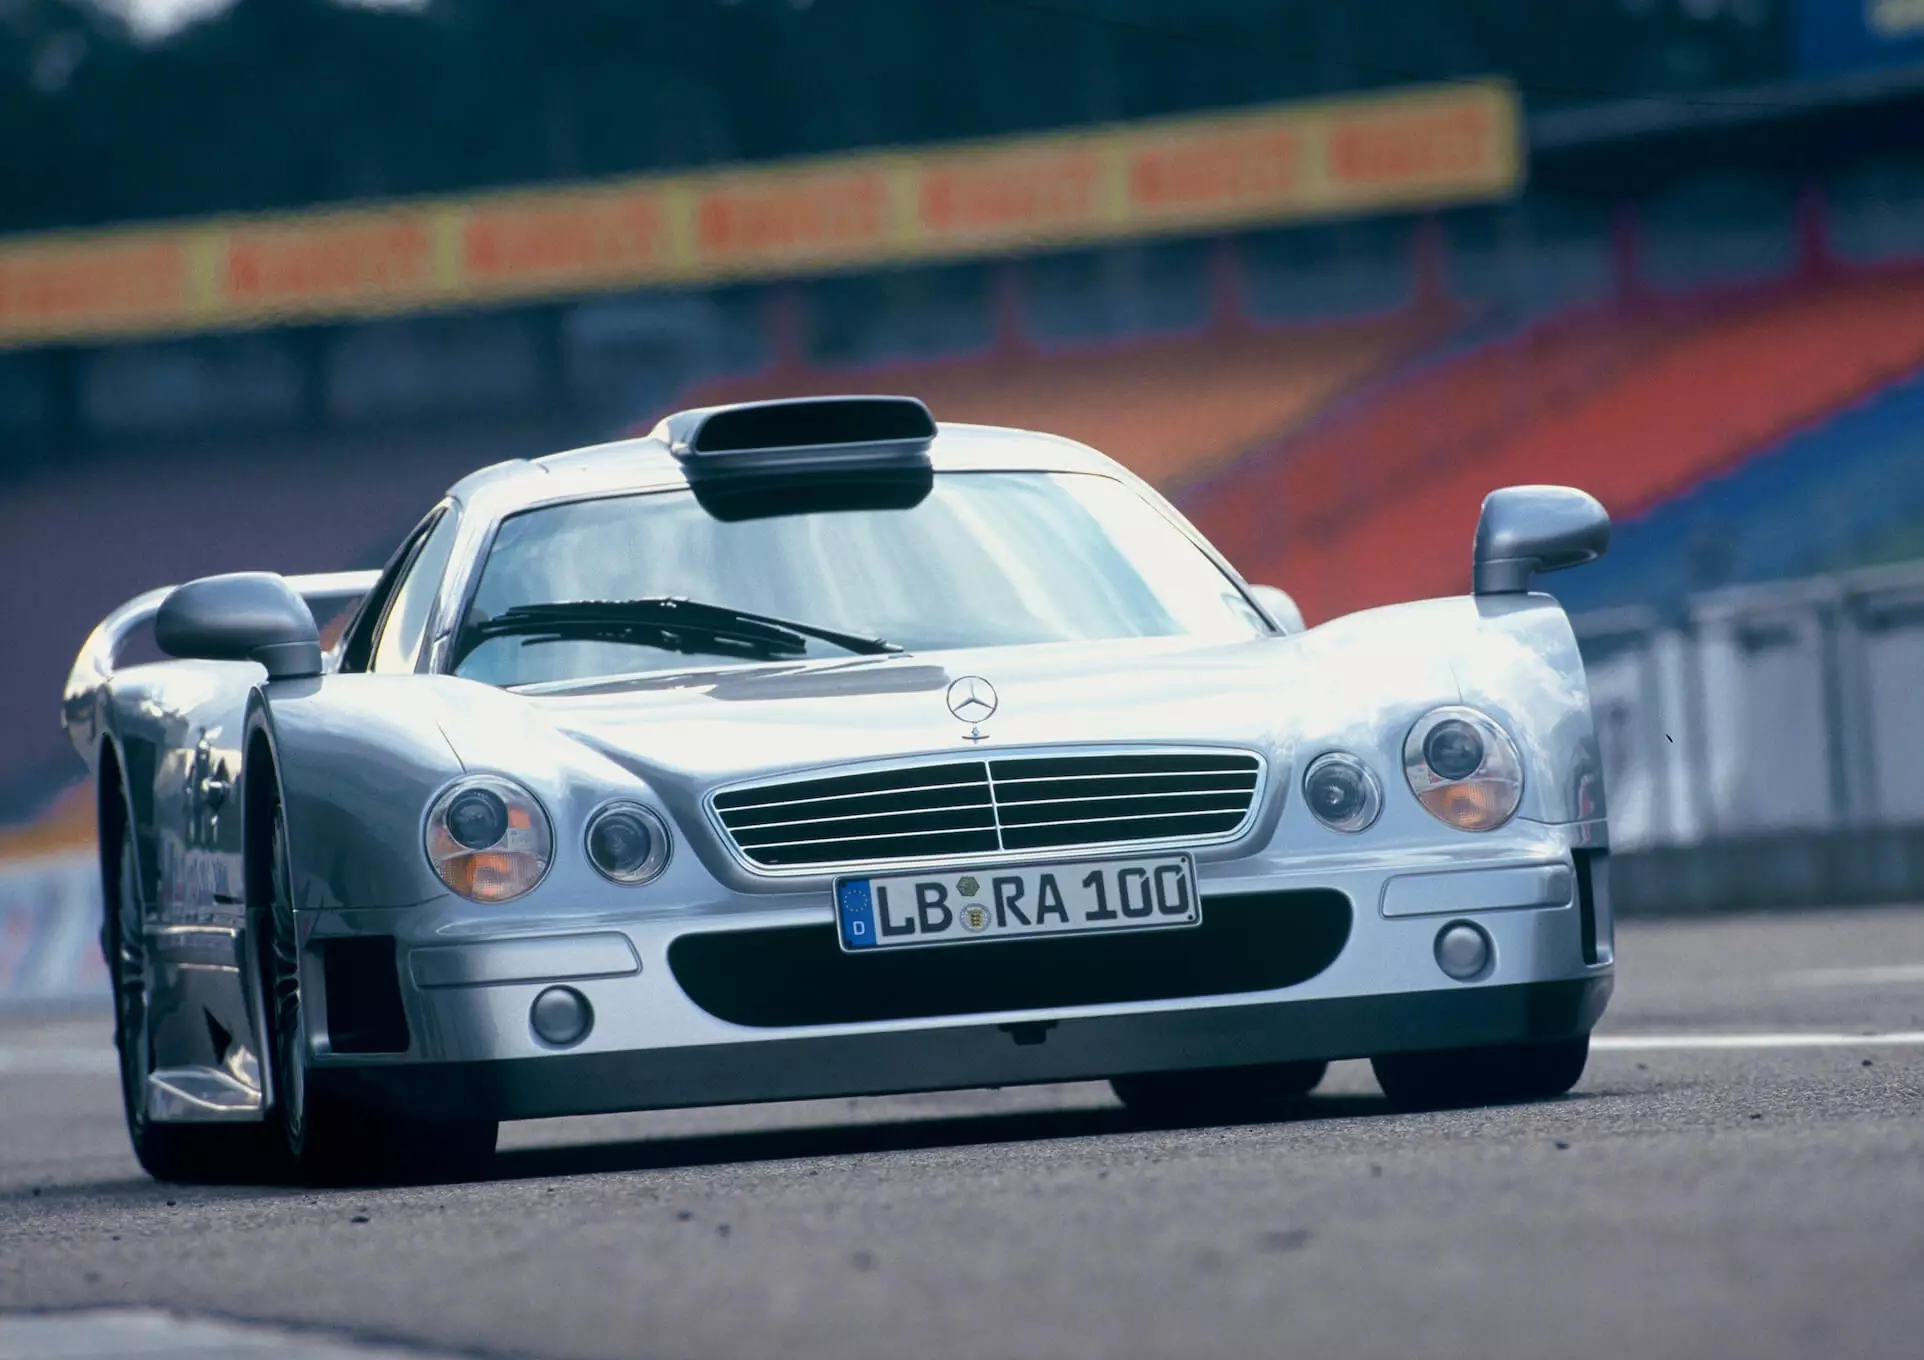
(825, 432)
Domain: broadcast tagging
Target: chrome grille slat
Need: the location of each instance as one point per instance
(1113, 810)
(950, 809)
(1114, 796)
(832, 786)
(1139, 774)
(985, 807)
(981, 785)
(1127, 817)
(874, 805)
(985, 821)
(874, 836)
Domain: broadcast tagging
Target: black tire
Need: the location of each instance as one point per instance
(1220, 1094)
(329, 1140)
(1500, 1075)
(167, 1152)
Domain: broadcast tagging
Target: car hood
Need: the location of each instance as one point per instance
(709, 728)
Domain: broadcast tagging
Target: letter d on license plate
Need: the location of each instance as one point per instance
(943, 907)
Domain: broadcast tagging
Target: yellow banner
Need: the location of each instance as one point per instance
(1419, 147)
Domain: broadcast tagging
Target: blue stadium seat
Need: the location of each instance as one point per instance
(1814, 502)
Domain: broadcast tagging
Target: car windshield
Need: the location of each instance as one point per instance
(671, 579)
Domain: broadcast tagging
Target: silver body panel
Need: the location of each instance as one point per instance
(358, 758)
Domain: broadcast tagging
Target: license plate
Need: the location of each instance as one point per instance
(939, 907)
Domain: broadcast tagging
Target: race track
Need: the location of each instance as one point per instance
(1698, 1196)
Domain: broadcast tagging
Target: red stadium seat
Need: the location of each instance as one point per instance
(1634, 407)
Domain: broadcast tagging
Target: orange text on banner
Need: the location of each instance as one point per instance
(1281, 163)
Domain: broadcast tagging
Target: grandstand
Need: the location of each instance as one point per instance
(1639, 403)
(1719, 329)
(1843, 492)
(1169, 409)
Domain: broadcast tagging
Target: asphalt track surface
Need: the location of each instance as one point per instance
(1698, 1196)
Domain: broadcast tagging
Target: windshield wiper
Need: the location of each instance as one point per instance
(671, 623)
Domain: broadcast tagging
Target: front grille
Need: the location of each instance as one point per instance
(980, 807)
(799, 975)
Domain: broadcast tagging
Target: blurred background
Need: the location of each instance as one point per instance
(273, 273)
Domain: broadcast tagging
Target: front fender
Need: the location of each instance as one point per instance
(1520, 664)
(1513, 656)
(356, 759)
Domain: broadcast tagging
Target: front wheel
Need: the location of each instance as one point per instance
(1220, 1094)
(330, 1140)
(1497, 1075)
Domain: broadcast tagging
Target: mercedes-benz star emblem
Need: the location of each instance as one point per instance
(972, 700)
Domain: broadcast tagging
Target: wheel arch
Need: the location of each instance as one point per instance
(260, 790)
(353, 761)
(112, 817)
(124, 769)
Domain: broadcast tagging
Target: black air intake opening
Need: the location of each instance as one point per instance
(799, 975)
(363, 982)
(822, 422)
(1592, 868)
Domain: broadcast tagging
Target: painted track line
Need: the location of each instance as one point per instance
(1653, 1043)
(1871, 975)
(58, 1062)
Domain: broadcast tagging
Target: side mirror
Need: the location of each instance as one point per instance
(1280, 607)
(1528, 529)
(247, 616)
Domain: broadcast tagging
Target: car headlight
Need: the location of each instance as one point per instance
(1342, 792)
(1463, 768)
(488, 839)
(627, 843)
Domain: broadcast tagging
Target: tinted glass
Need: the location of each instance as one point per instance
(981, 559)
(404, 630)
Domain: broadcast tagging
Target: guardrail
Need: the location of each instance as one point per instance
(1794, 706)
(1764, 745)
(50, 932)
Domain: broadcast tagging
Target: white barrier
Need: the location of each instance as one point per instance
(1796, 706)
(50, 912)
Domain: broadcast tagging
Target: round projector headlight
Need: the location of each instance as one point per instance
(488, 839)
(1463, 768)
(1342, 792)
(477, 818)
(627, 843)
(1453, 750)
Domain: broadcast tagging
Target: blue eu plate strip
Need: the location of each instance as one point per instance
(857, 913)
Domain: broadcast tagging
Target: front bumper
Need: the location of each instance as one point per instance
(467, 1046)
(1004, 1054)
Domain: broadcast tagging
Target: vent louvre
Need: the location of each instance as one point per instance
(984, 806)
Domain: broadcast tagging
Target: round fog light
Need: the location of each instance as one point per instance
(561, 1016)
(1462, 950)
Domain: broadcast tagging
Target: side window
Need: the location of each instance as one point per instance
(403, 631)
(357, 647)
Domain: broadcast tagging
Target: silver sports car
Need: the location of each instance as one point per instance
(810, 749)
